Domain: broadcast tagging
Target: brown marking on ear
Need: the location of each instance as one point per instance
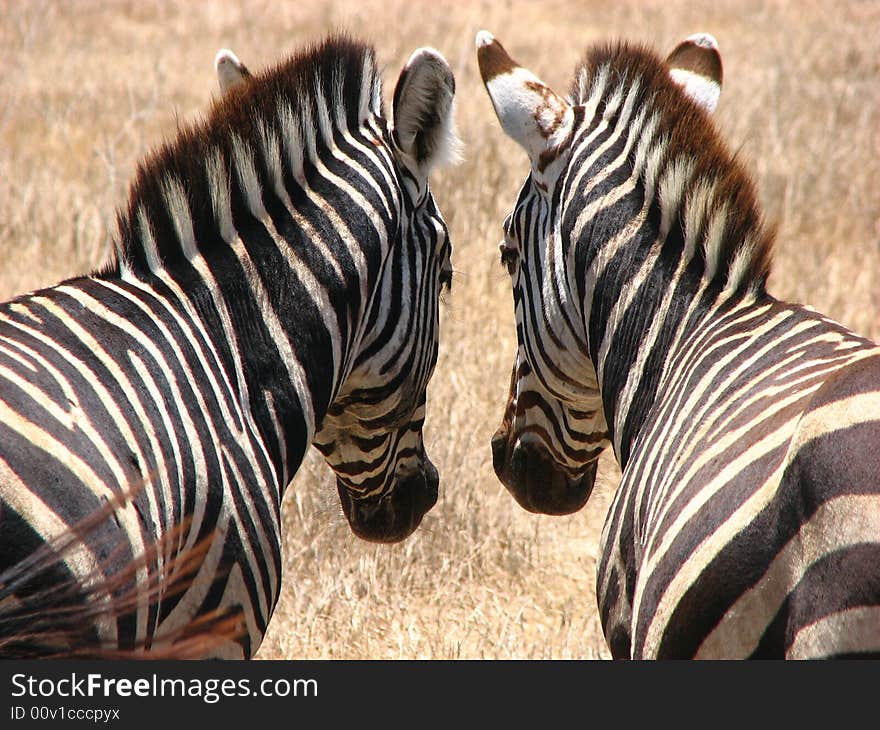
(545, 160)
(550, 114)
(547, 157)
(699, 59)
(494, 61)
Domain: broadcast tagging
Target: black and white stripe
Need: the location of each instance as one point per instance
(745, 523)
(276, 283)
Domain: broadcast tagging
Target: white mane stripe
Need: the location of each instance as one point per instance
(247, 176)
(366, 92)
(325, 125)
(148, 241)
(218, 186)
(291, 141)
(178, 208)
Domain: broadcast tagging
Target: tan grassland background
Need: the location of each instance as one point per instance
(88, 88)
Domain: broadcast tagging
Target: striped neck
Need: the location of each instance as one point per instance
(659, 223)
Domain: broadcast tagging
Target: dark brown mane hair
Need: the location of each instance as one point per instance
(691, 133)
(335, 69)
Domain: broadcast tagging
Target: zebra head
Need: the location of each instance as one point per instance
(372, 433)
(554, 426)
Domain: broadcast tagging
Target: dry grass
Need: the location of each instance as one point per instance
(87, 88)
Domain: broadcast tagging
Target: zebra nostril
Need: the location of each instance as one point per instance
(559, 481)
(519, 463)
(393, 516)
(432, 477)
(542, 486)
(499, 451)
(366, 512)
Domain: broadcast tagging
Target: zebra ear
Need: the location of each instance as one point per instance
(529, 111)
(230, 71)
(695, 65)
(424, 111)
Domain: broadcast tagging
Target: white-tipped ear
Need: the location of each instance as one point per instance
(230, 71)
(695, 65)
(424, 111)
(529, 111)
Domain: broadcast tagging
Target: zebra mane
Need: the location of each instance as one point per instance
(187, 192)
(701, 186)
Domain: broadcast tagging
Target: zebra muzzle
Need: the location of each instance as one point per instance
(395, 515)
(536, 481)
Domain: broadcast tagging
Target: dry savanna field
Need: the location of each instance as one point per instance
(88, 88)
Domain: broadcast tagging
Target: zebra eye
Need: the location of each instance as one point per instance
(446, 279)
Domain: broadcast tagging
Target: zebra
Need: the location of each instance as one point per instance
(275, 283)
(747, 519)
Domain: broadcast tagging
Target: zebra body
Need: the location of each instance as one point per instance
(275, 284)
(746, 520)
(735, 503)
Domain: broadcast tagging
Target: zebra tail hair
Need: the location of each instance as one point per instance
(57, 621)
